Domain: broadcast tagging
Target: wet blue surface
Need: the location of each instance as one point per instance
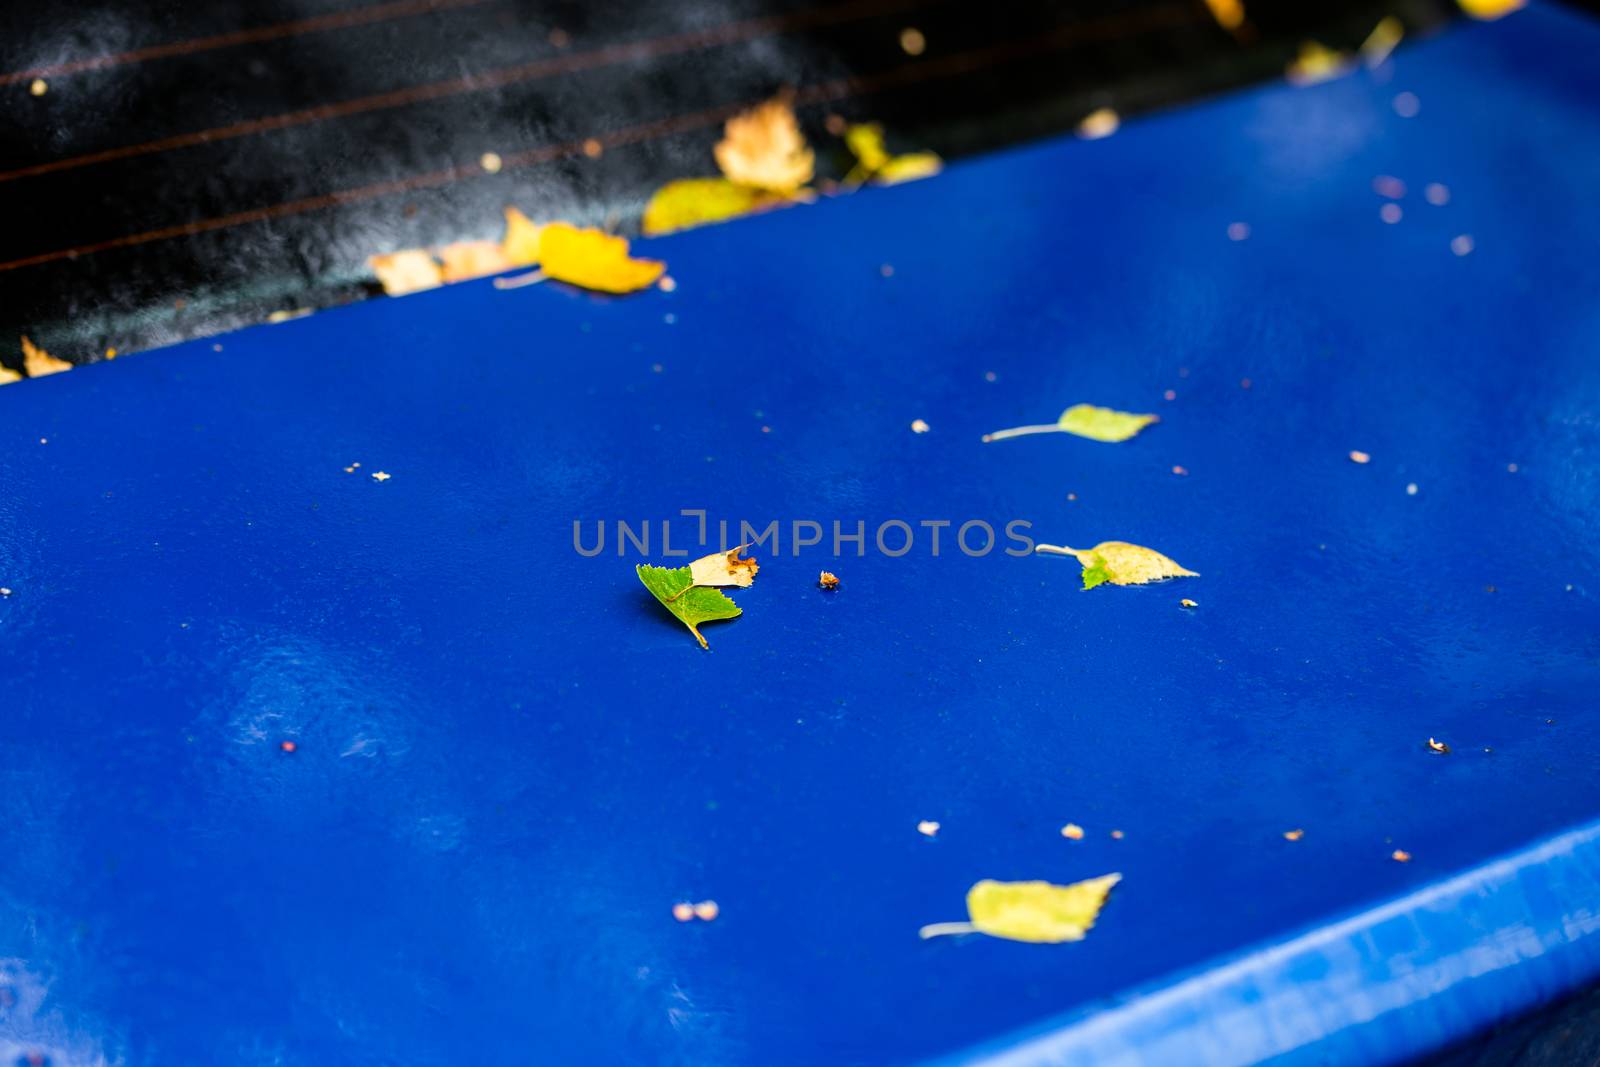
(510, 762)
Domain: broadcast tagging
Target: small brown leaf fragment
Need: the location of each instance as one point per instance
(1357, 456)
(1187, 603)
(1072, 832)
(683, 911)
(1293, 835)
(1438, 746)
(287, 746)
(830, 581)
(1400, 855)
(381, 476)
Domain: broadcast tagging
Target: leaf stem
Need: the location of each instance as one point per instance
(1021, 431)
(1056, 550)
(517, 281)
(941, 929)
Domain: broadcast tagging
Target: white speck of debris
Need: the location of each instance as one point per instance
(216, 348)
(1512, 468)
(667, 283)
(380, 476)
(1436, 194)
(1390, 213)
(1238, 231)
(6, 592)
(706, 910)
(1357, 456)
(990, 376)
(1406, 105)
(38, 87)
(1462, 244)
(669, 318)
(918, 426)
(927, 828)
(44, 440)
(1411, 489)
(1388, 185)
(491, 162)
(683, 911)
(1072, 832)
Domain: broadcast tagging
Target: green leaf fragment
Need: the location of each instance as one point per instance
(1096, 573)
(692, 604)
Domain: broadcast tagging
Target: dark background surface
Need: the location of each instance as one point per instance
(154, 197)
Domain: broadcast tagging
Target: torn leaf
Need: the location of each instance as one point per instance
(691, 202)
(692, 604)
(38, 363)
(1120, 563)
(1085, 420)
(724, 568)
(520, 245)
(1037, 912)
(763, 148)
(594, 260)
(407, 271)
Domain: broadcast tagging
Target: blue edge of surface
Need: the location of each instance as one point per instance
(1394, 981)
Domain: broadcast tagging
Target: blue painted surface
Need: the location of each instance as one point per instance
(511, 762)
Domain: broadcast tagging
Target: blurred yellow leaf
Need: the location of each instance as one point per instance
(594, 260)
(472, 259)
(1316, 63)
(520, 245)
(1101, 122)
(692, 202)
(7, 375)
(1490, 9)
(1120, 563)
(873, 161)
(406, 271)
(1038, 912)
(1228, 13)
(38, 363)
(764, 148)
(1383, 40)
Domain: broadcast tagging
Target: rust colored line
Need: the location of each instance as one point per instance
(730, 33)
(361, 16)
(823, 92)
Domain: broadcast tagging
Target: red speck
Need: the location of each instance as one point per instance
(287, 746)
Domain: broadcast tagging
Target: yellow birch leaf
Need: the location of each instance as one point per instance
(1120, 563)
(1038, 912)
(764, 148)
(1085, 420)
(407, 271)
(873, 161)
(520, 245)
(724, 568)
(865, 141)
(472, 259)
(594, 260)
(1490, 9)
(690, 202)
(38, 363)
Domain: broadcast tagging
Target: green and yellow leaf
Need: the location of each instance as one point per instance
(691, 202)
(873, 161)
(1038, 912)
(1120, 563)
